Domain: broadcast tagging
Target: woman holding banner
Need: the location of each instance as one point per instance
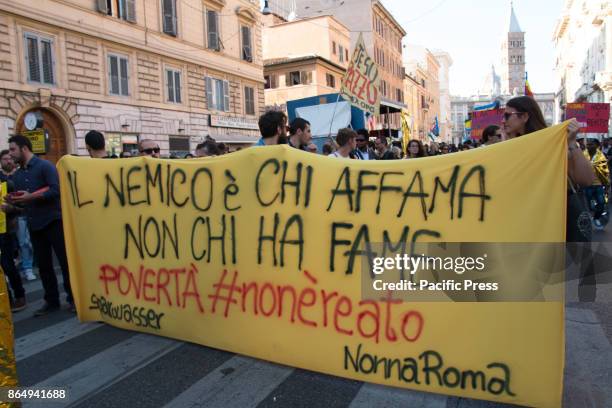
(523, 116)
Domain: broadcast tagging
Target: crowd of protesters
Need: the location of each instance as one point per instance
(34, 221)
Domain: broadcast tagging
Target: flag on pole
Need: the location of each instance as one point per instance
(527, 87)
(435, 129)
(405, 130)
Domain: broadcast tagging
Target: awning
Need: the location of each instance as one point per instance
(389, 106)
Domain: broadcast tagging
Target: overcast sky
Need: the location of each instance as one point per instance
(471, 32)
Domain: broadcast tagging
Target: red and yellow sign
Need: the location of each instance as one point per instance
(361, 83)
(593, 117)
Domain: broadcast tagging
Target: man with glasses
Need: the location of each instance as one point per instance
(363, 151)
(148, 147)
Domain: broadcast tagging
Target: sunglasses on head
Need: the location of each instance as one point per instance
(151, 150)
(507, 115)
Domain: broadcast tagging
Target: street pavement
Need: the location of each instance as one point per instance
(102, 366)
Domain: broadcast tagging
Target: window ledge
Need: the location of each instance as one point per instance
(215, 3)
(246, 14)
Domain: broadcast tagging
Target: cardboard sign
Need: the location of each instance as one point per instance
(37, 137)
(482, 119)
(259, 253)
(593, 117)
(361, 84)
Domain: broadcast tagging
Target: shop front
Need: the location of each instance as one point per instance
(237, 132)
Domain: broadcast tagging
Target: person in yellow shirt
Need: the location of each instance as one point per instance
(596, 193)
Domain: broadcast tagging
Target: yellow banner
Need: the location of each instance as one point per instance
(361, 83)
(259, 253)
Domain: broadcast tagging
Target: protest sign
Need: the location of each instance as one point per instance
(38, 139)
(482, 119)
(593, 117)
(360, 84)
(258, 253)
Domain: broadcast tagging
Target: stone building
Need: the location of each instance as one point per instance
(583, 46)
(382, 36)
(173, 71)
(295, 68)
(445, 62)
(422, 68)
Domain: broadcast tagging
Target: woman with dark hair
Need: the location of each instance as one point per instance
(415, 149)
(491, 135)
(523, 116)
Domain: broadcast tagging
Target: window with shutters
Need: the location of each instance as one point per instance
(247, 48)
(334, 47)
(213, 40)
(298, 78)
(249, 100)
(124, 9)
(331, 80)
(173, 85)
(169, 17)
(346, 54)
(118, 75)
(293, 78)
(39, 59)
(217, 94)
(341, 53)
(271, 81)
